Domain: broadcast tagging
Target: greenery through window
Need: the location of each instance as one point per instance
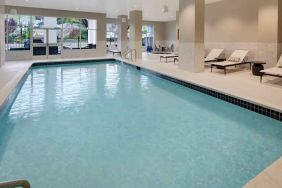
(71, 33)
(79, 33)
(17, 32)
(112, 35)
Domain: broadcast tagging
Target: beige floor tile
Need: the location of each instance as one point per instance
(264, 181)
(275, 172)
(251, 184)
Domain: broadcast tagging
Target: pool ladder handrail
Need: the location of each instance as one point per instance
(131, 53)
(14, 184)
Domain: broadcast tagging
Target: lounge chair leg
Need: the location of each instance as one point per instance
(211, 68)
(261, 78)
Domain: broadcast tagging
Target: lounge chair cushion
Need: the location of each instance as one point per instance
(234, 59)
(273, 71)
(238, 56)
(214, 53)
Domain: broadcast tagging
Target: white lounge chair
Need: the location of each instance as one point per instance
(237, 58)
(168, 56)
(213, 55)
(274, 71)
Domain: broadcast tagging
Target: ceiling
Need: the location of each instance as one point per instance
(152, 9)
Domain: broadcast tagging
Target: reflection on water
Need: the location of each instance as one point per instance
(68, 88)
(30, 101)
(112, 80)
(144, 82)
(72, 87)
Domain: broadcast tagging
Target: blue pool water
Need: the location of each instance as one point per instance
(108, 125)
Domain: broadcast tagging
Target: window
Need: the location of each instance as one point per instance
(71, 33)
(49, 33)
(17, 32)
(46, 22)
(112, 35)
(88, 34)
(46, 35)
(147, 36)
(79, 33)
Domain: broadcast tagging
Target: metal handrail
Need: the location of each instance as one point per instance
(125, 53)
(131, 53)
(14, 184)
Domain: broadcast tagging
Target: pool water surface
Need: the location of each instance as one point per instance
(109, 125)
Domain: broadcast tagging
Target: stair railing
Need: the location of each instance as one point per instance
(130, 54)
(14, 184)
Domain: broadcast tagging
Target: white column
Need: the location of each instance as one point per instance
(101, 35)
(177, 32)
(2, 35)
(135, 20)
(268, 46)
(192, 31)
(122, 32)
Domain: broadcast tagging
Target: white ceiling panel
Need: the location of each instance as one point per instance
(152, 9)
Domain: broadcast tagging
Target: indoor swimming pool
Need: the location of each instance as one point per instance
(109, 125)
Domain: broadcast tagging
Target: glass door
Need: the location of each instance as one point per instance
(47, 42)
(39, 42)
(54, 43)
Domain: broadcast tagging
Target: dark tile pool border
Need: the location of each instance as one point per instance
(227, 98)
(230, 99)
(39, 64)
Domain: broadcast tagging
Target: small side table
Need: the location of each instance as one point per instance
(257, 67)
(175, 60)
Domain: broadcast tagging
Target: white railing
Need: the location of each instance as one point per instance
(14, 184)
(130, 54)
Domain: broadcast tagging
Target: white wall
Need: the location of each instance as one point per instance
(171, 34)
(232, 25)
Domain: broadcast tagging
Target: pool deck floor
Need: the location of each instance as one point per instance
(239, 83)
(271, 177)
